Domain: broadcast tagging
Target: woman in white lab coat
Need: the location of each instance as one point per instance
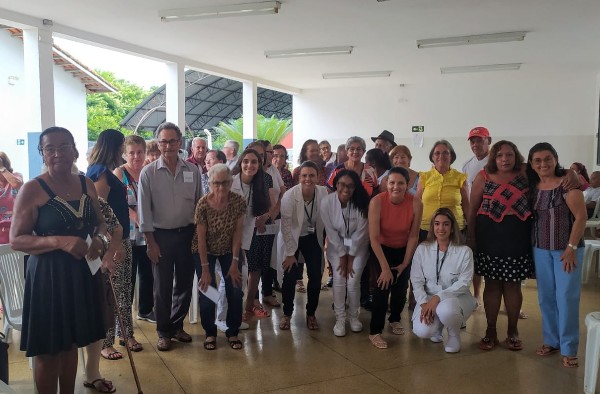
(302, 232)
(344, 214)
(441, 273)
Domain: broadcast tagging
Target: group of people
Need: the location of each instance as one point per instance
(378, 224)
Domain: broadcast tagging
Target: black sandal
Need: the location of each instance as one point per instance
(236, 344)
(210, 344)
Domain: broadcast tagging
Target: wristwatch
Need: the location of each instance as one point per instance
(574, 247)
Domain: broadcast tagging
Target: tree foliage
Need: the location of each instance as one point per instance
(106, 110)
(271, 129)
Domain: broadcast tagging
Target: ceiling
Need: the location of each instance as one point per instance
(562, 35)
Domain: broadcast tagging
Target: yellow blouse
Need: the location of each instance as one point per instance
(442, 191)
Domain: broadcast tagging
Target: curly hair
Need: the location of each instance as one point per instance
(360, 198)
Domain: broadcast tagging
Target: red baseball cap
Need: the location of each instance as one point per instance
(479, 131)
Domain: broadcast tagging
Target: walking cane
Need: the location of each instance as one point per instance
(135, 375)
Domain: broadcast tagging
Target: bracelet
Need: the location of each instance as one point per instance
(235, 258)
(204, 265)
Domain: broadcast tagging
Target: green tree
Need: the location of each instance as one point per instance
(106, 110)
(271, 129)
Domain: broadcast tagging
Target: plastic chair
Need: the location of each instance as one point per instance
(591, 247)
(593, 222)
(12, 287)
(592, 352)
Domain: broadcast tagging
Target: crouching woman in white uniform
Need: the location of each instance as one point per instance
(344, 215)
(442, 270)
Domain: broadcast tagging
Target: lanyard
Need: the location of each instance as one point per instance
(347, 221)
(250, 188)
(312, 207)
(438, 265)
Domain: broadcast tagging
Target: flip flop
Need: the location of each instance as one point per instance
(134, 347)
(105, 386)
(284, 324)
(397, 328)
(115, 355)
(311, 323)
(378, 341)
(570, 361)
(488, 343)
(514, 344)
(546, 350)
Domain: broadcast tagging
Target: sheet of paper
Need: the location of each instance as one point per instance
(212, 293)
(93, 264)
(272, 229)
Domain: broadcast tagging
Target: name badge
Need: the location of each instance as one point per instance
(348, 242)
(310, 229)
(188, 177)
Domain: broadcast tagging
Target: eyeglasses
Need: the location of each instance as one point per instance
(545, 160)
(444, 153)
(349, 186)
(168, 142)
(220, 183)
(51, 150)
(352, 150)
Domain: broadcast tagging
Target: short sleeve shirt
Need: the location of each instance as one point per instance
(220, 224)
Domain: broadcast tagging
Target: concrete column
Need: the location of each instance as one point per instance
(176, 95)
(249, 111)
(39, 78)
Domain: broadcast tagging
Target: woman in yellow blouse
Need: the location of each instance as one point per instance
(442, 187)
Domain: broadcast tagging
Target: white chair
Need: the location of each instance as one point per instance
(12, 286)
(591, 247)
(593, 222)
(592, 352)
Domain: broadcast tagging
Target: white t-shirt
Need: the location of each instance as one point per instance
(472, 168)
(591, 194)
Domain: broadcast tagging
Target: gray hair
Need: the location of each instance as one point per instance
(218, 169)
(233, 144)
(198, 139)
(356, 139)
(170, 126)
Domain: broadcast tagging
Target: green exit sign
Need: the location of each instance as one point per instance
(418, 129)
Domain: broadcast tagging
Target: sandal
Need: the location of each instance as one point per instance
(546, 350)
(570, 361)
(259, 312)
(523, 315)
(284, 324)
(210, 343)
(300, 287)
(271, 301)
(378, 341)
(235, 344)
(488, 343)
(112, 354)
(134, 346)
(514, 344)
(100, 385)
(311, 323)
(397, 328)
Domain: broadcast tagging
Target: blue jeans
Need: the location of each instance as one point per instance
(232, 293)
(558, 294)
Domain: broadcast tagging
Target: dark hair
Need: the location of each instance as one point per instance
(379, 158)
(220, 155)
(260, 194)
(278, 146)
(360, 197)
(582, 171)
(308, 164)
(325, 142)
(401, 171)
(447, 145)
(492, 167)
(264, 143)
(302, 155)
(169, 126)
(108, 149)
(532, 176)
(454, 237)
(54, 129)
(260, 144)
(6, 162)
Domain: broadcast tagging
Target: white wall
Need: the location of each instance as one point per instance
(69, 95)
(521, 106)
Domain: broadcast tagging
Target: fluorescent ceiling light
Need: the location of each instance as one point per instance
(468, 40)
(220, 11)
(481, 68)
(360, 74)
(308, 52)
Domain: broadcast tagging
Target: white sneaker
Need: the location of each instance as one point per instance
(355, 324)
(339, 330)
(453, 343)
(437, 337)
